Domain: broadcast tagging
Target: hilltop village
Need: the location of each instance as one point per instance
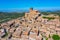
(32, 26)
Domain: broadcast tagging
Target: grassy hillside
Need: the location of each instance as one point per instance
(4, 16)
(52, 12)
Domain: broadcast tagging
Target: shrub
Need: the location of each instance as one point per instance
(56, 37)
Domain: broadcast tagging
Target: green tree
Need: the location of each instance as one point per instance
(56, 37)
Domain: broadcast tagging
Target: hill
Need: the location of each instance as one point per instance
(5, 16)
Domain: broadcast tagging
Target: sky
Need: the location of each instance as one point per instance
(10, 5)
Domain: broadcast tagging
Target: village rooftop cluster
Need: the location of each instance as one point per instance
(32, 26)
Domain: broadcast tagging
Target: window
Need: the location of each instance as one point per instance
(34, 26)
(39, 14)
(36, 18)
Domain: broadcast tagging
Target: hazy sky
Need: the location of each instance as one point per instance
(26, 4)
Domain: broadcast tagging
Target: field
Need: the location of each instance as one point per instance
(4, 16)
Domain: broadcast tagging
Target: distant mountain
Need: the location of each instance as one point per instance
(13, 10)
(26, 10)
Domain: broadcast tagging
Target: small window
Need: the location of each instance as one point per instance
(34, 26)
(20, 22)
(36, 18)
(27, 25)
(39, 14)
